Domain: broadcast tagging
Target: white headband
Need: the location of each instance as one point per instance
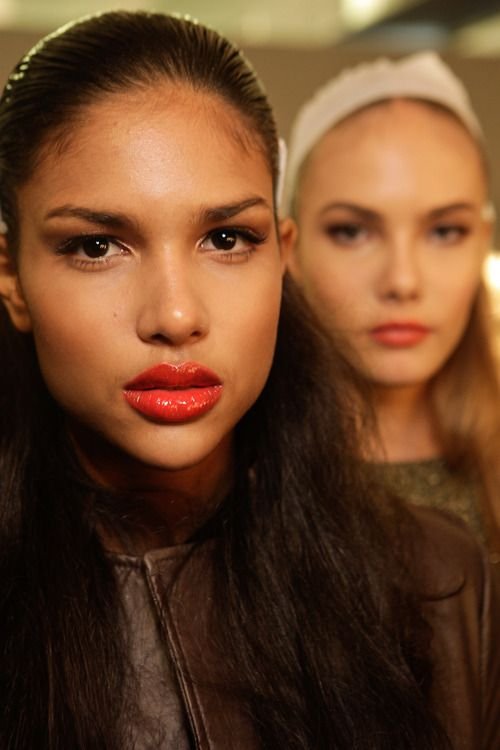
(420, 76)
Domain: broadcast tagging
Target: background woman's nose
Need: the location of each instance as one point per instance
(401, 277)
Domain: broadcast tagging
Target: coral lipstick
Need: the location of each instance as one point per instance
(170, 393)
(400, 334)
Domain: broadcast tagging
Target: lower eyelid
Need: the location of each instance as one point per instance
(93, 265)
(238, 256)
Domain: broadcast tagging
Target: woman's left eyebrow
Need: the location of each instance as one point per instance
(221, 213)
(438, 212)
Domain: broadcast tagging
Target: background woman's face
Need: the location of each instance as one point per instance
(148, 237)
(392, 237)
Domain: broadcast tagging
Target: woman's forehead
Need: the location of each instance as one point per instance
(398, 136)
(153, 127)
(419, 113)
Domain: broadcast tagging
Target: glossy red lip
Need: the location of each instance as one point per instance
(174, 393)
(165, 375)
(400, 334)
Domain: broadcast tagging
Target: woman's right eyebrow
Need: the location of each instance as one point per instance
(103, 218)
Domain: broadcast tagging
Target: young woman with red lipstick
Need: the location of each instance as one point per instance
(388, 184)
(188, 556)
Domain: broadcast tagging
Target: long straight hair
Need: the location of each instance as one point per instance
(322, 635)
(465, 396)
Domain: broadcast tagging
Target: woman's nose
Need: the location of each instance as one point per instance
(171, 308)
(401, 273)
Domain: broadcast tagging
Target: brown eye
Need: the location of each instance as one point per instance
(92, 248)
(95, 247)
(224, 239)
(231, 242)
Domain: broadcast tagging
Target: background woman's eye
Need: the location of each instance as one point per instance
(346, 233)
(449, 233)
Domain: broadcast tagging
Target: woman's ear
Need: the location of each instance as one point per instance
(288, 238)
(488, 228)
(290, 255)
(10, 290)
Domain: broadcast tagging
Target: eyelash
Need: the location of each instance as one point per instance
(73, 244)
(249, 236)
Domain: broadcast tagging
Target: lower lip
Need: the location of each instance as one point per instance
(171, 406)
(399, 336)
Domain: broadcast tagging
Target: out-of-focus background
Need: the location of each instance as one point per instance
(295, 45)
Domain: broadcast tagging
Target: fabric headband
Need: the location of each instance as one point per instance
(420, 76)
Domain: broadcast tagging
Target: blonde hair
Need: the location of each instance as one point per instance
(465, 397)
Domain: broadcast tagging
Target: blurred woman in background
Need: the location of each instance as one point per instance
(388, 183)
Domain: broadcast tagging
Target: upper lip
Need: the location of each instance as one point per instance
(168, 376)
(402, 325)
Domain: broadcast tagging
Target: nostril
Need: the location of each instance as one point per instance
(175, 338)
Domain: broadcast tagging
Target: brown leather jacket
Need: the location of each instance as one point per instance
(170, 641)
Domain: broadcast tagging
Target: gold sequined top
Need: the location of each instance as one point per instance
(430, 482)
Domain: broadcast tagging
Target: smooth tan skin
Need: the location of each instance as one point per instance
(392, 228)
(160, 160)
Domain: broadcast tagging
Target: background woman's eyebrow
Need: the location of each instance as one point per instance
(221, 213)
(442, 210)
(364, 213)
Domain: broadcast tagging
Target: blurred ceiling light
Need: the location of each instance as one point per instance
(7, 11)
(492, 279)
(492, 271)
(479, 38)
(359, 13)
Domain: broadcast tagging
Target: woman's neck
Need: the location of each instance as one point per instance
(161, 507)
(406, 430)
